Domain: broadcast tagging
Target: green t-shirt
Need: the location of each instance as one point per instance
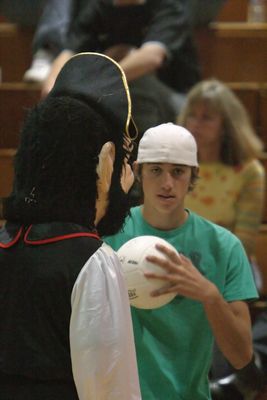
(174, 342)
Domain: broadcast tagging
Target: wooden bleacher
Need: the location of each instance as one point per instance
(233, 11)
(234, 51)
(261, 251)
(15, 99)
(6, 171)
(15, 51)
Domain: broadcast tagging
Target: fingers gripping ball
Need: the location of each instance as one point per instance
(132, 256)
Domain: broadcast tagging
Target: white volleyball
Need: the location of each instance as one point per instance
(132, 255)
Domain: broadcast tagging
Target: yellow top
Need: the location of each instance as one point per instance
(232, 197)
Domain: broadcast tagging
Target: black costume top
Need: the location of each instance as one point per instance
(63, 304)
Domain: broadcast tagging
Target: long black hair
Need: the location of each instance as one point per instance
(55, 165)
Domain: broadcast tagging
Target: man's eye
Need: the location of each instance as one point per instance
(178, 171)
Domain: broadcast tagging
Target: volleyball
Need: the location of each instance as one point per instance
(132, 255)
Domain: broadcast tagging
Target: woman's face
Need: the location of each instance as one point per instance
(205, 125)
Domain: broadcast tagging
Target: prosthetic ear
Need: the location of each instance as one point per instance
(105, 167)
(135, 170)
(104, 170)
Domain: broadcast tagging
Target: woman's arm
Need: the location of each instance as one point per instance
(250, 205)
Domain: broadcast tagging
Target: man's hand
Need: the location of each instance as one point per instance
(183, 277)
(229, 321)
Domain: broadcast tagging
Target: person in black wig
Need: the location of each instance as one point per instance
(66, 328)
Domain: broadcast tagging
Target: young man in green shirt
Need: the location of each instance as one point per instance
(211, 276)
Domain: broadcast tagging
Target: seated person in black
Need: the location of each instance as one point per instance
(152, 41)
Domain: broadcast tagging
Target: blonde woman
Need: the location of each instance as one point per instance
(230, 191)
(231, 187)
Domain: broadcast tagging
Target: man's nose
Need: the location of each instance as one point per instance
(167, 180)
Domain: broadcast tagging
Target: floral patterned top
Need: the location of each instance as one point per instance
(232, 197)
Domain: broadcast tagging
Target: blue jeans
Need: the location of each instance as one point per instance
(53, 26)
(50, 18)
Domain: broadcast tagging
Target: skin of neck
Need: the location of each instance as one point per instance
(161, 221)
(209, 153)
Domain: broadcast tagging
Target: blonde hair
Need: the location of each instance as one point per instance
(240, 142)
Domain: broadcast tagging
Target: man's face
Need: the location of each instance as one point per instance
(165, 187)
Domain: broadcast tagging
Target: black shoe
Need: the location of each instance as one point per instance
(225, 389)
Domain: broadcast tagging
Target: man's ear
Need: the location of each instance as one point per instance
(105, 166)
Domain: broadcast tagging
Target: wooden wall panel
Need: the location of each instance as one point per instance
(6, 171)
(15, 51)
(261, 254)
(263, 113)
(264, 217)
(249, 94)
(234, 52)
(233, 11)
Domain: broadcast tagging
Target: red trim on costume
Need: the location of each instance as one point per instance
(58, 238)
(9, 244)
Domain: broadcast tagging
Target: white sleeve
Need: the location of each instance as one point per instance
(101, 337)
